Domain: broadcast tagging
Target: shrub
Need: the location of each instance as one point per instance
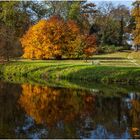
(111, 48)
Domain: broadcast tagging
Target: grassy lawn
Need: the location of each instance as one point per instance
(116, 55)
(107, 68)
(126, 58)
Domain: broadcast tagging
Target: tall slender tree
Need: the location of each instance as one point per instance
(136, 32)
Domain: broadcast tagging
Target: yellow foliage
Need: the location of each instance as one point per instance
(49, 38)
(50, 105)
(136, 14)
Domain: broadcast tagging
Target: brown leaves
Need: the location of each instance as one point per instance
(90, 46)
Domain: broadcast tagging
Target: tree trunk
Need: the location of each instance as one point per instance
(121, 32)
(136, 48)
(58, 57)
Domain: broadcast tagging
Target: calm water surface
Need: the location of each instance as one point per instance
(32, 111)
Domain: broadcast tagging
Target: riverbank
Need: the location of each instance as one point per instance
(69, 71)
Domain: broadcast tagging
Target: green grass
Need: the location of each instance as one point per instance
(38, 71)
(116, 55)
(135, 56)
(109, 68)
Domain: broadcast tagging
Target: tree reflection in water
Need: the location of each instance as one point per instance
(69, 113)
(133, 106)
(29, 111)
(62, 111)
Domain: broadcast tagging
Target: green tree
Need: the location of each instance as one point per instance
(122, 15)
(15, 19)
(82, 13)
(112, 22)
(8, 29)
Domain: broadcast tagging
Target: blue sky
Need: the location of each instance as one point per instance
(128, 3)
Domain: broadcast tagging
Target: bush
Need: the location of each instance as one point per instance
(111, 48)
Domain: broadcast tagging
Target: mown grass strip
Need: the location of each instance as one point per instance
(38, 71)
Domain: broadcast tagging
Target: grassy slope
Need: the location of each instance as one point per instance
(103, 68)
(115, 67)
(135, 56)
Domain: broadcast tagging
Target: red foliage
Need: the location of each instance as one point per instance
(90, 46)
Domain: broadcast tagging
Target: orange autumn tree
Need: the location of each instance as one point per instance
(50, 38)
(90, 45)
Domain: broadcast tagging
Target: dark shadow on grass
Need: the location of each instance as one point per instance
(108, 58)
(108, 89)
(67, 59)
(107, 74)
(43, 76)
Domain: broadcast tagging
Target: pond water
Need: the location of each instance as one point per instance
(34, 111)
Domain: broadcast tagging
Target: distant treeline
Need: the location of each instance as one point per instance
(91, 26)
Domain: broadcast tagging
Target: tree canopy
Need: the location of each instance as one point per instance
(136, 15)
(53, 38)
(78, 22)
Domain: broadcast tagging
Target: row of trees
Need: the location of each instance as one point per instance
(104, 25)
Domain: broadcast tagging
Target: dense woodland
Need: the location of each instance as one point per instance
(66, 29)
